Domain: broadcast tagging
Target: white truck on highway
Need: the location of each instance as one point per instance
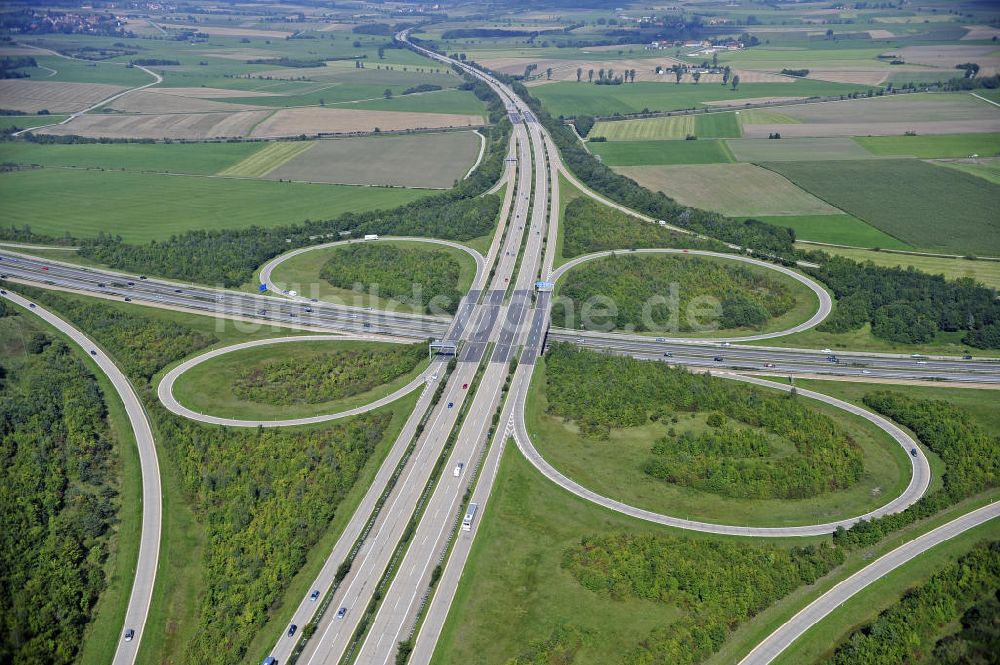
(470, 515)
(371, 236)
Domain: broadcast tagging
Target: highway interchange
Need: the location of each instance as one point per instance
(501, 318)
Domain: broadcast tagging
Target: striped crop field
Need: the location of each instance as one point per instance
(268, 158)
(766, 117)
(667, 127)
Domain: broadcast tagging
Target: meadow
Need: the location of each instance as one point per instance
(182, 203)
(986, 272)
(415, 160)
(644, 153)
(193, 158)
(709, 126)
(614, 466)
(908, 199)
(571, 98)
(926, 147)
(840, 229)
(796, 149)
(731, 189)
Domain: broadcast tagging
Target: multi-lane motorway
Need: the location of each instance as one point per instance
(501, 319)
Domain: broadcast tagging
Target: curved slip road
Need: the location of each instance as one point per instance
(919, 480)
(149, 542)
(816, 611)
(165, 390)
(825, 301)
(268, 268)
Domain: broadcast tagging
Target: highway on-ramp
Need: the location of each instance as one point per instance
(769, 649)
(165, 390)
(919, 478)
(149, 542)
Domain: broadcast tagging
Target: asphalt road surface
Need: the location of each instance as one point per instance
(149, 540)
(816, 611)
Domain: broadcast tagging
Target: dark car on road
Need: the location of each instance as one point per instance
(342, 612)
(292, 629)
(314, 596)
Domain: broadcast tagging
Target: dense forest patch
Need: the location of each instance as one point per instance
(425, 278)
(754, 443)
(654, 293)
(720, 583)
(326, 377)
(970, 452)
(589, 226)
(264, 497)
(58, 497)
(908, 632)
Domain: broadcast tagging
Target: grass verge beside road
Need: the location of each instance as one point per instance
(613, 468)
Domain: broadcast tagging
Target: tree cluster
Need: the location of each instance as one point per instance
(589, 227)
(141, 345)
(264, 496)
(751, 233)
(404, 274)
(327, 377)
(642, 287)
(907, 305)
(601, 392)
(719, 584)
(965, 589)
(58, 503)
(970, 453)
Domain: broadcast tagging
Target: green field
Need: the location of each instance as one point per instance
(195, 158)
(987, 272)
(923, 205)
(717, 126)
(731, 189)
(571, 98)
(267, 159)
(766, 117)
(434, 159)
(987, 170)
(836, 229)
(614, 468)
(659, 128)
(796, 149)
(7, 122)
(302, 273)
(642, 153)
(709, 126)
(143, 207)
(948, 145)
(210, 387)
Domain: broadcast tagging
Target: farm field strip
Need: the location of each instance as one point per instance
(915, 205)
(267, 159)
(986, 272)
(840, 229)
(732, 189)
(181, 203)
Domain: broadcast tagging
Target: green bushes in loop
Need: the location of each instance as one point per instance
(653, 292)
(767, 445)
(327, 377)
(404, 274)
